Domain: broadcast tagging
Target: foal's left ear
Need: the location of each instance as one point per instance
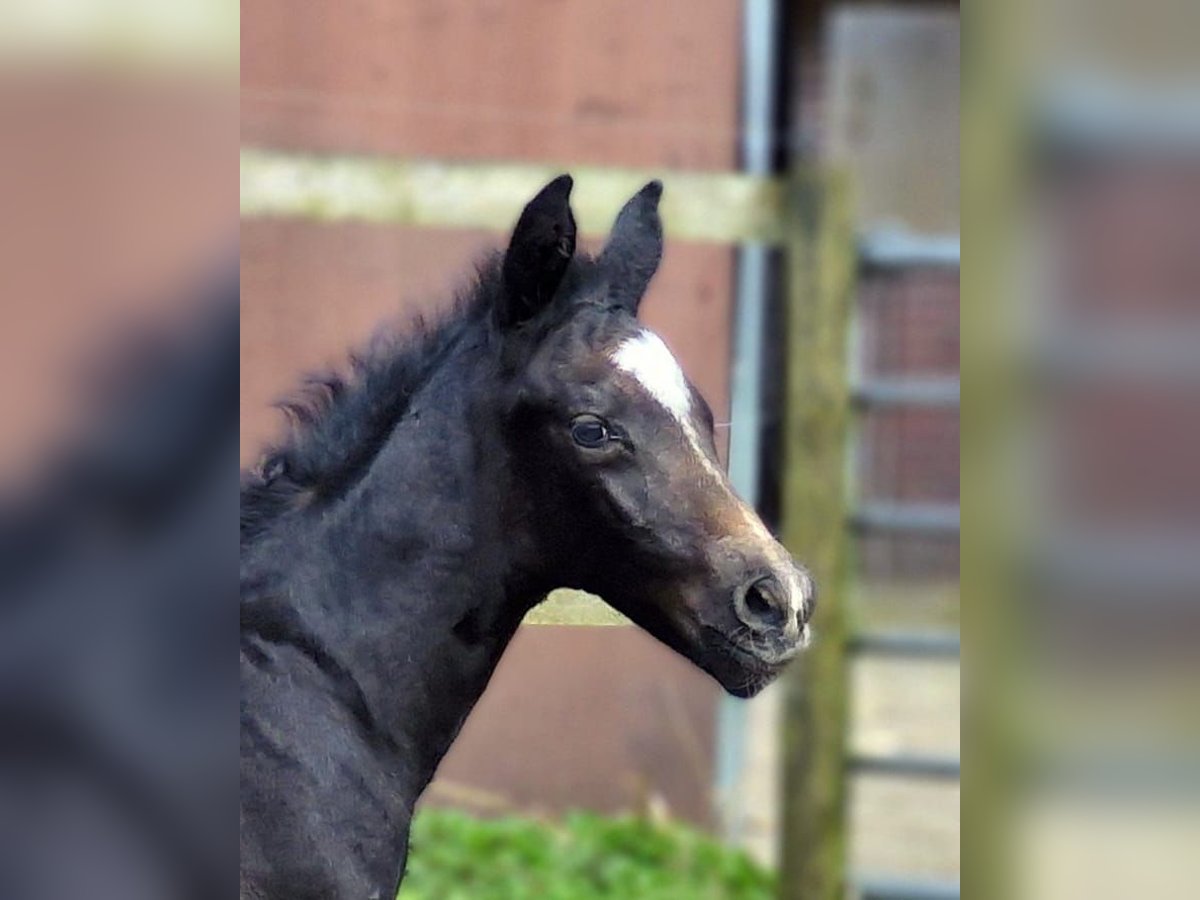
(537, 258)
(631, 256)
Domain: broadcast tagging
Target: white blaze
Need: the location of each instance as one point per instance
(647, 359)
(654, 367)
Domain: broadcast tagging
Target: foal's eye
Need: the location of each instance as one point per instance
(590, 431)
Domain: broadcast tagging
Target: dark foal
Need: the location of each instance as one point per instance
(539, 438)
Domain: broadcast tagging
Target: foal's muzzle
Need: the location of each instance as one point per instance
(775, 609)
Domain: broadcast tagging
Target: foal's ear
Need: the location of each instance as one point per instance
(537, 258)
(631, 256)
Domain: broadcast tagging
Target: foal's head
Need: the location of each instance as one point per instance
(615, 448)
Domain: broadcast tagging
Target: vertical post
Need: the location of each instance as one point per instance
(821, 268)
(747, 790)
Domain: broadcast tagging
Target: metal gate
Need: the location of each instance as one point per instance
(826, 393)
(890, 252)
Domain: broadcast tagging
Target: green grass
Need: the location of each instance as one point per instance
(454, 856)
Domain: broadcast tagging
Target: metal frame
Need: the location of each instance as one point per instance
(929, 393)
(927, 519)
(893, 249)
(908, 645)
(898, 248)
(906, 765)
(906, 889)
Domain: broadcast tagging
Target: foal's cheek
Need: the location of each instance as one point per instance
(627, 494)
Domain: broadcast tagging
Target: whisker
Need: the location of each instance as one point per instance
(741, 631)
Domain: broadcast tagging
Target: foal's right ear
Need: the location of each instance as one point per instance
(537, 258)
(634, 248)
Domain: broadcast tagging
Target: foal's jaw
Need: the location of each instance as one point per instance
(728, 595)
(751, 618)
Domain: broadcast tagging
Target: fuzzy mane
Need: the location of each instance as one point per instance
(339, 420)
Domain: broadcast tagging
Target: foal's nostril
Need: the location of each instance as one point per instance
(761, 604)
(757, 603)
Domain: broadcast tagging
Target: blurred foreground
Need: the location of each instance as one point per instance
(118, 462)
(1082, 344)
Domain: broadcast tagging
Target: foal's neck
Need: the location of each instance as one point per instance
(427, 587)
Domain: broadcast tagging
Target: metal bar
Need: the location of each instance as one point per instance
(926, 392)
(1162, 354)
(884, 888)
(1161, 566)
(908, 766)
(916, 645)
(920, 518)
(1092, 113)
(760, 31)
(895, 248)
(759, 92)
(702, 206)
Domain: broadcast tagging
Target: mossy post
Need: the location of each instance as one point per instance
(821, 265)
